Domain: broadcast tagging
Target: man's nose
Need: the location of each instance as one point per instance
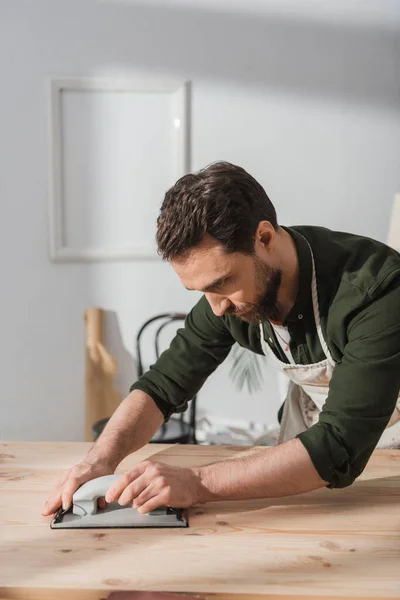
(219, 304)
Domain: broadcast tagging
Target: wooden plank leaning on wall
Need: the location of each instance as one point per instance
(101, 399)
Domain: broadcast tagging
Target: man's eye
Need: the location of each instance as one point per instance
(223, 283)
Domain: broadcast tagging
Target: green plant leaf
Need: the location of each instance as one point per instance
(246, 368)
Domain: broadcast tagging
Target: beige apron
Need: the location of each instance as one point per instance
(309, 388)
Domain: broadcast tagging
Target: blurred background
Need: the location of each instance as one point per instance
(104, 103)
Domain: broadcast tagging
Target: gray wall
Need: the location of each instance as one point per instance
(306, 98)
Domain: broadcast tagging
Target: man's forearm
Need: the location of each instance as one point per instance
(283, 470)
(131, 426)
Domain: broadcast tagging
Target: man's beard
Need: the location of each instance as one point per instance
(267, 306)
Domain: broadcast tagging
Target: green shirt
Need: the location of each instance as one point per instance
(358, 282)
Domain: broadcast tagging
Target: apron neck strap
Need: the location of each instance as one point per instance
(317, 317)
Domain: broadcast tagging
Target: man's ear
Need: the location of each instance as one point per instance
(265, 235)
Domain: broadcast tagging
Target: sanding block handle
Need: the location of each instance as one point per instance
(84, 501)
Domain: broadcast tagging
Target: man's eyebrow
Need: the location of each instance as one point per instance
(214, 284)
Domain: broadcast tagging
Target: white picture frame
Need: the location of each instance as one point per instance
(60, 250)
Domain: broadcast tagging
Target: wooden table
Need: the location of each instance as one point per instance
(328, 543)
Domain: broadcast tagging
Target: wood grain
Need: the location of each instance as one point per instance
(329, 543)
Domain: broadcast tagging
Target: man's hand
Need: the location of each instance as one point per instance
(132, 426)
(150, 485)
(71, 480)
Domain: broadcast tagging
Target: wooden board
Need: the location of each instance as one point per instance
(329, 543)
(101, 399)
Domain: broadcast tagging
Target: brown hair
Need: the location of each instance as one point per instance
(221, 200)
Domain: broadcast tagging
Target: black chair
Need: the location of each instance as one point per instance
(177, 430)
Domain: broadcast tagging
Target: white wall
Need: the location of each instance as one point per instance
(307, 100)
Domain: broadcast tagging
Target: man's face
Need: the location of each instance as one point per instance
(232, 283)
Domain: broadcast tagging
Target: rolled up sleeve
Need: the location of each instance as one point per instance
(362, 393)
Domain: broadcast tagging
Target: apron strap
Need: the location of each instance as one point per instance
(314, 293)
